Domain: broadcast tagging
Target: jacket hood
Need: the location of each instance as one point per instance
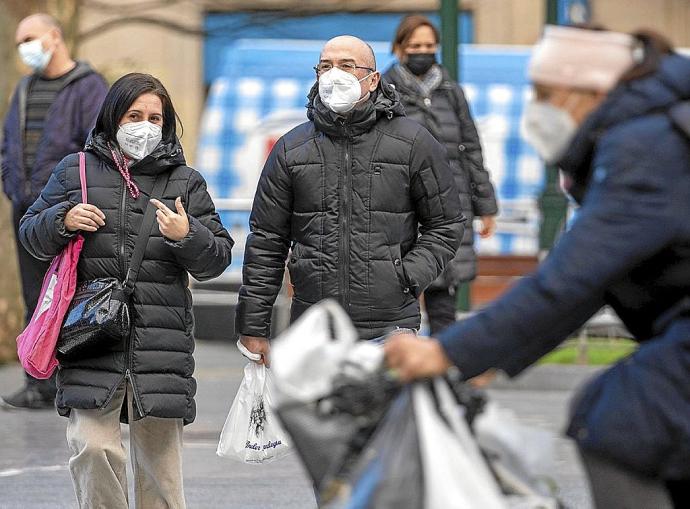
(165, 157)
(384, 102)
(657, 92)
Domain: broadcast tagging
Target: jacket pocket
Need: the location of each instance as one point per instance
(396, 257)
(303, 275)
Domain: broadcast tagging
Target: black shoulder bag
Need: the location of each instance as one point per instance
(99, 316)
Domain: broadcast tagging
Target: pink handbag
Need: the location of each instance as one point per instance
(36, 344)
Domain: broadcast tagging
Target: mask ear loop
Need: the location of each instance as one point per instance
(365, 77)
(366, 96)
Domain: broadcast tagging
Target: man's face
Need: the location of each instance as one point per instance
(353, 58)
(32, 29)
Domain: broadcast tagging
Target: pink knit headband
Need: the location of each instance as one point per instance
(581, 58)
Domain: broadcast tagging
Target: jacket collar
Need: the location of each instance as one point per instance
(384, 102)
(80, 70)
(412, 89)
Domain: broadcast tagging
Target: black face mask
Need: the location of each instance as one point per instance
(420, 63)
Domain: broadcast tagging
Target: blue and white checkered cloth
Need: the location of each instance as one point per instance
(262, 94)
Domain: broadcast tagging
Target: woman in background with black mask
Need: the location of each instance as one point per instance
(434, 99)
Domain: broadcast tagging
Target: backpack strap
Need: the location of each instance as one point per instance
(144, 233)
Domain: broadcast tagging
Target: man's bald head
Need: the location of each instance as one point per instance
(346, 51)
(351, 47)
(36, 25)
(47, 30)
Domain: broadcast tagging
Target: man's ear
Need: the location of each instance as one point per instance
(375, 80)
(55, 37)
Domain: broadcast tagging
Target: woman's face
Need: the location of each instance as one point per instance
(422, 40)
(577, 103)
(146, 107)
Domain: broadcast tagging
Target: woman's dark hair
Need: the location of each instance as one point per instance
(406, 28)
(654, 47)
(122, 95)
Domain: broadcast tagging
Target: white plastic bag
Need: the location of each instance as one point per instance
(307, 356)
(252, 432)
(455, 474)
(521, 456)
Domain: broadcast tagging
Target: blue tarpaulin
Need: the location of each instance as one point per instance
(260, 94)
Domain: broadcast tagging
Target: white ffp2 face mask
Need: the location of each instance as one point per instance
(139, 139)
(549, 129)
(340, 90)
(33, 54)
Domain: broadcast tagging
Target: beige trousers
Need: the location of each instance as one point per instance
(99, 461)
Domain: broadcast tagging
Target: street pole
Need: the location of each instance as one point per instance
(552, 12)
(552, 204)
(449, 36)
(449, 57)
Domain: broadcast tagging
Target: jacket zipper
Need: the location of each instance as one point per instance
(128, 350)
(345, 223)
(23, 95)
(135, 396)
(121, 247)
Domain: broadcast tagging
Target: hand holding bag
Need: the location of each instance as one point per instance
(252, 432)
(99, 316)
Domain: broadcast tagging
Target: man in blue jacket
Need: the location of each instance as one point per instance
(51, 113)
(612, 111)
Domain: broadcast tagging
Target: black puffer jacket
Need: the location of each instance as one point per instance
(158, 355)
(346, 195)
(447, 116)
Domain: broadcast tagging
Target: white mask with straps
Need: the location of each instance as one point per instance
(550, 130)
(139, 139)
(339, 90)
(33, 54)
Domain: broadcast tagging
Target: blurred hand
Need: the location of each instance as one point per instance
(258, 345)
(488, 226)
(173, 226)
(85, 217)
(412, 357)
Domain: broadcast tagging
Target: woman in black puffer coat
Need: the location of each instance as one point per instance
(432, 98)
(146, 380)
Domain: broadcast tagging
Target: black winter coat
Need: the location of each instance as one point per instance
(157, 358)
(346, 195)
(628, 247)
(446, 114)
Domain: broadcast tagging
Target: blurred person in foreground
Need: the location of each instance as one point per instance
(51, 113)
(611, 111)
(362, 197)
(435, 100)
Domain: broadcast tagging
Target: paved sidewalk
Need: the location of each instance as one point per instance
(33, 452)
